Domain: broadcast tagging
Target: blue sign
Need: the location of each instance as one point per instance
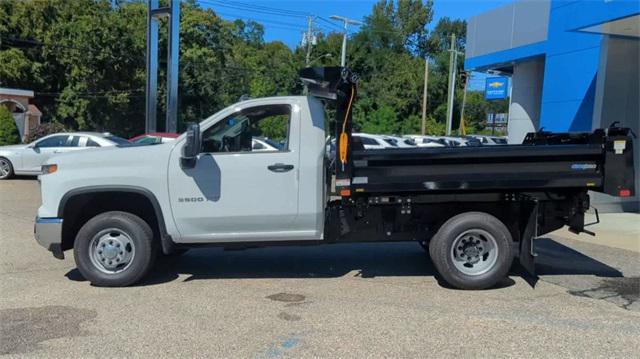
(496, 88)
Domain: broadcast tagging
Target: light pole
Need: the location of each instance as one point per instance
(453, 62)
(346, 21)
(423, 127)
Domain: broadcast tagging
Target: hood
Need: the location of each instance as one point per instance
(112, 155)
(14, 147)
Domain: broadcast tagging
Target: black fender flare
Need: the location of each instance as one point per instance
(166, 241)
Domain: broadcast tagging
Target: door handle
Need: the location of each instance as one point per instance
(280, 167)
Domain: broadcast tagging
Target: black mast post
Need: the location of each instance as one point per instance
(339, 84)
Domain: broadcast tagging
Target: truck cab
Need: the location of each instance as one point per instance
(235, 194)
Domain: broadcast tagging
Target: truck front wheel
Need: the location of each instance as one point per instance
(114, 249)
(472, 250)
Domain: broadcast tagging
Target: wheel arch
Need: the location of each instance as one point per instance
(79, 205)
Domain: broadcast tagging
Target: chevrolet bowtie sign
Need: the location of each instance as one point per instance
(496, 88)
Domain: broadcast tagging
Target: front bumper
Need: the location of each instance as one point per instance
(48, 232)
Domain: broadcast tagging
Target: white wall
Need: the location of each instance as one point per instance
(526, 91)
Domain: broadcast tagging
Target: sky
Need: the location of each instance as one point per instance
(286, 20)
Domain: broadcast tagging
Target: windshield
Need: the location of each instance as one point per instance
(391, 141)
(148, 140)
(118, 140)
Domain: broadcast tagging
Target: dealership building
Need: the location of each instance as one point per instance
(573, 66)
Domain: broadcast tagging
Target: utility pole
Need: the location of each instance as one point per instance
(346, 21)
(308, 41)
(154, 13)
(453, 58)
(151, 122)
(173, 61)
(424, 96)
(465, 77)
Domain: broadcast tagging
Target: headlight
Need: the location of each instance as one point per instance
(47, 169)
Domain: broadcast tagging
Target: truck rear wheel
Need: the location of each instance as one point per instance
(472, 250)
(114, 249)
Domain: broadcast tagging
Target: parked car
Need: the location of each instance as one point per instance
(490, 140)
(153, 138)
(27, 159)
(262, 144)
(460, 141)
(375, 142)
(427, 141)
(406, 142)
(399, 142)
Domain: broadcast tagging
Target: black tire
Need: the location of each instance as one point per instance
(10, 173)
(140, 235)
(441, 250)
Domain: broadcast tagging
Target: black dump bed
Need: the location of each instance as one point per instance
(601, 161)
(545, 161)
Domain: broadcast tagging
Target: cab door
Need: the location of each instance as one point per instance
(234, 193)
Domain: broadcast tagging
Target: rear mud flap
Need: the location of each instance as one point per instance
(527, 254)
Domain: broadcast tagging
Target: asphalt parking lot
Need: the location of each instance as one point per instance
(365, 300)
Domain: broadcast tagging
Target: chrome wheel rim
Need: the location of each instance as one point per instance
(474, 252)
(5, 168)
(111, 251)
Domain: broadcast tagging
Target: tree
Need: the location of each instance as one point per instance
(9, 134)
(45, 129)
(85, 59)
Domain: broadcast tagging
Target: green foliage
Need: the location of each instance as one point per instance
(477, 108)
(9, 134)
(381, 120)
(274, 127)
(45, 129)
(85, 59)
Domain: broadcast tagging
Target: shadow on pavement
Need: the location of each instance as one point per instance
(557, 259)
(367, 260)
(23, 178)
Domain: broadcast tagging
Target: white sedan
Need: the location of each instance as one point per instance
(375, 142)
(427, 141)
(27, 159)
(262, 144)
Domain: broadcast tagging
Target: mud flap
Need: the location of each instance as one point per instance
(527, 253)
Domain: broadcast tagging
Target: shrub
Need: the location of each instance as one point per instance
(45, 129)
(9, 134)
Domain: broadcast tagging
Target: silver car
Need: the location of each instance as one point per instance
(27, 159)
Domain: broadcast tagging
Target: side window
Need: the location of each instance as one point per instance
(53, 141)
(73, 141)
(237, 132)
(92, 143)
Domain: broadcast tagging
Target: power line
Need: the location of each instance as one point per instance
(255, 8)
(331, 24)
(281, 24)
(17, 41)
